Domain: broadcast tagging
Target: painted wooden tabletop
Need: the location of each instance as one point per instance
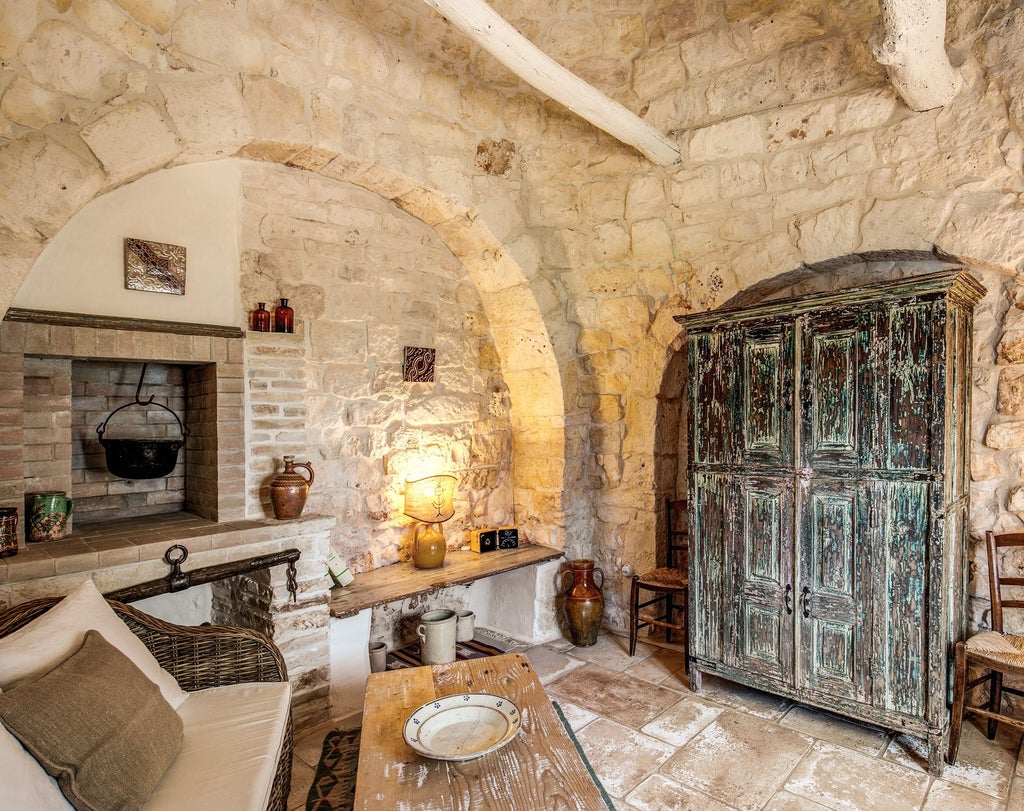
(538, 771)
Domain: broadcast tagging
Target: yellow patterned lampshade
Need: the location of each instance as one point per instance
(430, 499)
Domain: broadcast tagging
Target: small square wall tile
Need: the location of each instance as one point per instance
(849, 781)
(604, 742)
(832, 728)
(738, 759)
(658, 793)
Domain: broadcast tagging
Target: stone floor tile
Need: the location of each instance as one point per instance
(680, 722)
(605, 742)
(658, 793)
(755, 702)
(612, 651)
(943, 796)
(835, 729)
(575, 715)
(1016, 793)
(738, 759)
(981, 764)
(846, 780)
(784, 801)
(302, 779)
(613, 694)
(549, 664)
(665, 666)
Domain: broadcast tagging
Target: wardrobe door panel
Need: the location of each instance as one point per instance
(761, 598)
(710, 504)
(713, 386)
(767, 396)
(834, 582)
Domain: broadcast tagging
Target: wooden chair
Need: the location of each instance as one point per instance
(996, 652)
(669, 583)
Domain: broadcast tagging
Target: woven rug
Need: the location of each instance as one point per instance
(334, 783)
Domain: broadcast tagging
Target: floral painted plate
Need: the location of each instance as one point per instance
(462, 727)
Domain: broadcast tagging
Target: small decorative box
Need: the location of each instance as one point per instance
(484, 540)
(508, 537)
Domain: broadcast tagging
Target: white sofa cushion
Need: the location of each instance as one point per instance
(232, 742)
(51, 638)
(24, 784)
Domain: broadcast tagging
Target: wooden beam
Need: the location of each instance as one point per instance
(489, 29)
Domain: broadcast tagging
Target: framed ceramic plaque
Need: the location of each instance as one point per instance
(154, 267)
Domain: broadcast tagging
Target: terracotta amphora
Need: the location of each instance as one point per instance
(584, 602)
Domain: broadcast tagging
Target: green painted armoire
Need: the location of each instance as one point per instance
(829, 497)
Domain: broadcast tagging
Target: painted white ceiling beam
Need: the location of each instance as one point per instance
(912, 46)
(488, 29)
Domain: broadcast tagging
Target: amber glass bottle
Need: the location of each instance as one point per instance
(284, 317)
(261, 318)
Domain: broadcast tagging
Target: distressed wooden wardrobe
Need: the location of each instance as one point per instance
(829, 492)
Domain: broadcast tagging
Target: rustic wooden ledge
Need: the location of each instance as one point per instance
(401, 580)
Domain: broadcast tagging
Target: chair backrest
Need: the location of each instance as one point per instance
(677, 544)
(996, 580)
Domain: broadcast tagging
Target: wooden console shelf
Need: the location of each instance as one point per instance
(401, 580)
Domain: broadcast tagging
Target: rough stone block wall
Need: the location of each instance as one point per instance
(97, 389)
(366, 280)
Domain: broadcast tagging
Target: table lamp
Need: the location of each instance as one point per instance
(429, 501)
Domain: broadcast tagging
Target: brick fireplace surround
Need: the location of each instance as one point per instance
(36, 456)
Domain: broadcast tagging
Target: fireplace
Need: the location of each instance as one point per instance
(64, 374)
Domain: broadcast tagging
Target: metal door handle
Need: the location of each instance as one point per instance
(789, 598)
(805, 602)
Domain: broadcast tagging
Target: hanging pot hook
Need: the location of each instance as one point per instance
(138, 388)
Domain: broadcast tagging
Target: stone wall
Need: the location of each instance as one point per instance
(795, 150)
(366, 280)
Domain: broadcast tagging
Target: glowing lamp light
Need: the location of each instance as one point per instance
(429, 501)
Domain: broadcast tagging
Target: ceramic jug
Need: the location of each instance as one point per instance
(465, 626)
(288, 490)
(584, 602)
(48, 516)
(437, 637)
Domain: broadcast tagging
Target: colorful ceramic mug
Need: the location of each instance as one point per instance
(48, 516)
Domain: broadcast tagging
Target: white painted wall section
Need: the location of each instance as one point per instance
(350, 661)
(520, 603)
(197, 206)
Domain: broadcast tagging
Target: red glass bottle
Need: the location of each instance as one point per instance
(284, 317)
(261, 318)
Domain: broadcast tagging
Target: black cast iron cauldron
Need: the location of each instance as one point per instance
(141, 458)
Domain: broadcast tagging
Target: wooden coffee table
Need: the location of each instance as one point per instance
(538, 771)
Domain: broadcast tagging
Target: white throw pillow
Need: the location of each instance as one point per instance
(50, 639)
(26, 785)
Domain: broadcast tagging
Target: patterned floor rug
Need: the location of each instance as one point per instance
(334, 783)
(409, 656)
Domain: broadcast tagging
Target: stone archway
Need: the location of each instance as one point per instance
(56, 182)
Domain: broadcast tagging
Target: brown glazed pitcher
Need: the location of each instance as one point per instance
(584, 602)
(288, 490)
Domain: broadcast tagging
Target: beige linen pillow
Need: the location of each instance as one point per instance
(53, 637)
(98, 725)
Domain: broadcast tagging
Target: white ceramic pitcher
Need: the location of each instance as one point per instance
(437, 636)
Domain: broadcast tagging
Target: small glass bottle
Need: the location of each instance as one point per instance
(261, 318)
(284, 317)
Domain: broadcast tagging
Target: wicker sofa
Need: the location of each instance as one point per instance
(198, 657)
